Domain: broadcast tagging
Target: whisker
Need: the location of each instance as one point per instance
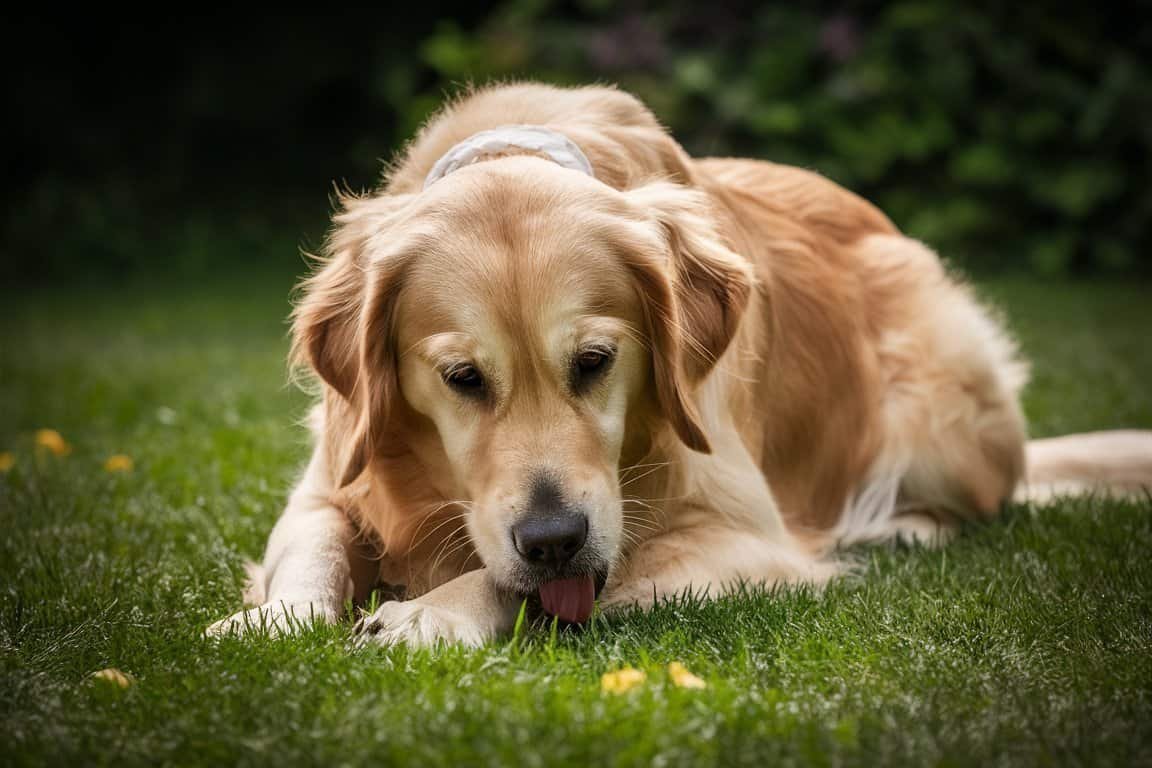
(634, 528)
(440, 525)
(642, 506)
(666, 498)
(426, 517)
(467, 560)
(636, 538)
(630, 467)
(642, 513)
(447, 554)
(443, 548)
(445, 542)
(653, 468)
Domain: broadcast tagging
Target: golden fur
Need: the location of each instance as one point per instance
(791, 373)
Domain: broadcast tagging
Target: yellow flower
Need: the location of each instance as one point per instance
(51, 439)
(682, 678)
(114, 676)
(622, 680)
(118, 463)
(7, 461)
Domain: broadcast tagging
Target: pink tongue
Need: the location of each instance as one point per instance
(569, 600)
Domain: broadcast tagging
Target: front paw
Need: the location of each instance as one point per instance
(419, 625)
(275, 619)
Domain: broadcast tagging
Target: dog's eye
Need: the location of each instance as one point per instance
(589, 365)
(591, 360)
(465, 379)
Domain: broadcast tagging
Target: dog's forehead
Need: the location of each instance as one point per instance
(523, 202)
(489, 288)
(513, 242)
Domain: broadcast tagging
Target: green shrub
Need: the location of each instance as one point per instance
(1010, 137)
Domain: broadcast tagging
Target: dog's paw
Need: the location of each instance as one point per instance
(922, 530)
(275, 619)
(418, 624)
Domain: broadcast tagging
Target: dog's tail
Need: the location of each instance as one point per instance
(1115, 463)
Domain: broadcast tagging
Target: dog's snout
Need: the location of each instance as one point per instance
(550, 541)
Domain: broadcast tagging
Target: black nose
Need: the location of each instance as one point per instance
(550, 540)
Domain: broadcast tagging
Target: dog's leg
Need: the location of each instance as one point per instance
(306, 574)
(710, 561)
(469, 610)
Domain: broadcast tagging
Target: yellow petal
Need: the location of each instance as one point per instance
(622, 680)
(682, 678)
(7, 461)
(118, 462)
(114, 676)
(53, 441)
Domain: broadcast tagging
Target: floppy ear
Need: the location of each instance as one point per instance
(328, 322)
(378, 384)
(694, 295)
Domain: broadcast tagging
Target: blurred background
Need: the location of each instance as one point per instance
(1012, 137)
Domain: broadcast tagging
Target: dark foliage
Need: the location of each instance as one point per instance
(1008, 136)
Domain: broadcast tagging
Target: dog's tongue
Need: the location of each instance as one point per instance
(569, 600)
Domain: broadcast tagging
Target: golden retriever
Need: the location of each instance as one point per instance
(562, 360)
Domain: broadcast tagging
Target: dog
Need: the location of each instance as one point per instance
(561, 361)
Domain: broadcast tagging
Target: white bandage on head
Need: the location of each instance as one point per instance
(535, 138)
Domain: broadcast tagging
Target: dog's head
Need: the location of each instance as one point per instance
(520, 329)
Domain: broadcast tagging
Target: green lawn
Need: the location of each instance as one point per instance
(1027, 641)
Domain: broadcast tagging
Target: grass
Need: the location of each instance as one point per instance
(1027, 641)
